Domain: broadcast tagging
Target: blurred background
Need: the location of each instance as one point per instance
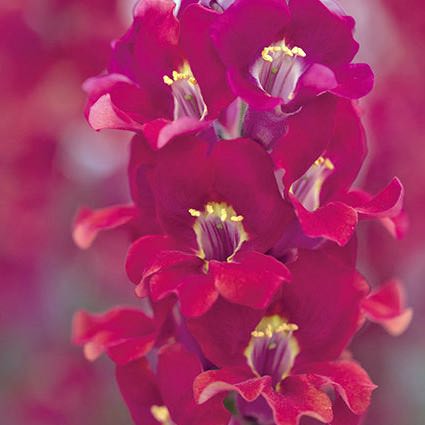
(51, 163)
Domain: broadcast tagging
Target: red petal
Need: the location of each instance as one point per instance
(386, 306)
(209, 384)
(197, 294)
(309, 132)
(387, 203)
(224, 331)
(251, 279)
(354, 81)
(325, 36)
(238, 42)
(334, 221)
(138, 388)
(177, 369)
(350, 381)
(100, 110)
(124, 333)
(298, 397)
(207, 67)
(347, 151)
(244, 177)
(143, 253)
(323, 299)
(89, 223)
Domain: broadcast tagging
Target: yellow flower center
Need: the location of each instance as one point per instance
(219, 231)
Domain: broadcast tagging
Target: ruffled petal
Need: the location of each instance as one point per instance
(387, 203)
(143, 253)
(88, 223)
(335, 221)
(349, 380)
(387, 307)
(185, 279)
(251, 279)
(141, 163)
(316, 80)
(125, 334)
(297, 398)
(100, 111)
(160, 133)
(240, 379)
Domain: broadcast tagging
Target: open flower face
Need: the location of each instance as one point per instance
(219, 231)
(290, 367)
(142, 91)
(318, 179)
(188, 101)
(248, 143)
(286, 52)
(220, 210)
(273, 348)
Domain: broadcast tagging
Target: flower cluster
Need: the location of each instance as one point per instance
(244, 215)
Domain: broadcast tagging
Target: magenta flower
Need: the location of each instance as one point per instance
(220, 210)
(280, 53)
(125, 334)
(162, 71)
(318, 178)
(387, 307)
(291, 362)
(243, 215)
(164, 395)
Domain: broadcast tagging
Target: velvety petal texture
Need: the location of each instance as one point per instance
(89, 223)
(387, 307)
(124, 334)
(308, 44)
(244, 204)
(323, 300)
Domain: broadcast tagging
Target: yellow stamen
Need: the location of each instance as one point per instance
(194, 213)
(328, 164)
(287, 327)
(185, 74)
(161, 414)
(265, 54)
(223, 214)
(297, 51)
(324, 161)
(167, 80)
(282, 48)
(271, 325)
(237, 218)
